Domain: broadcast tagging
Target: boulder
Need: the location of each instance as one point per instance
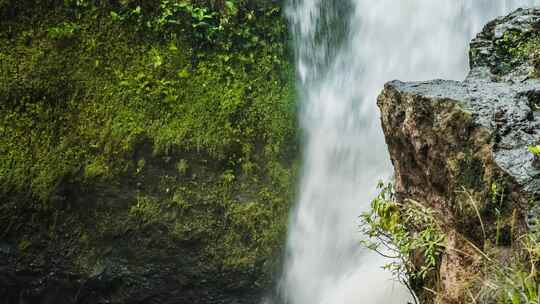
(461, 148)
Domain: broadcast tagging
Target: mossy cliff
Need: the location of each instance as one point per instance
(461, 153)
(147, 150)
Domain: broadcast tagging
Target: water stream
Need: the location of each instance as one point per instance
(346, 50)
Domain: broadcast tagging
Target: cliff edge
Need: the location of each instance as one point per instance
(462, 149)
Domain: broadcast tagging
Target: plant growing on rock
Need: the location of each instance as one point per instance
(534, 150)
(160, 137)
(515, 281)
(405, 232)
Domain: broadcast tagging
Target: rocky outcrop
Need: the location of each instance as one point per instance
(132, 240)
(132, 169)
(461, 148)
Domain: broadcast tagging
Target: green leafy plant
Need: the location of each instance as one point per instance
(516, 46)
(513, 282)
(204, 22)
(64, 30)
(534, 149)
(400, 231)
(77, 3)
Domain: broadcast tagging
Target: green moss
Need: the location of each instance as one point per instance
(146, 210)
(115, 92)
(516, 47)
(98, 168)
(152, 130)
(182, 166)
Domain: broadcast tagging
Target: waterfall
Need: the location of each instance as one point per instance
(345, 51)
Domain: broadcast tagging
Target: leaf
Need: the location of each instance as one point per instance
(231, 7)
(115, 16)
(534, 149)
(173, 47)
(184, 73)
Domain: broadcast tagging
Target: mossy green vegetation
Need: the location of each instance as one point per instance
(516, 280)
(515, 47)
(411, 236)
(168, 117)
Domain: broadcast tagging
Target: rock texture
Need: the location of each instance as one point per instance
(89, 250)
(461, 148)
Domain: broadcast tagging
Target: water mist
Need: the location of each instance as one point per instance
(346, 50)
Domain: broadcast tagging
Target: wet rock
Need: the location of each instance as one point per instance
(452, 142)
(90, 250)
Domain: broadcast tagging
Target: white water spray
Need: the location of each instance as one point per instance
(346, 50)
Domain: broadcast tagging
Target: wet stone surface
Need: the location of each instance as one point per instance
(455, 141)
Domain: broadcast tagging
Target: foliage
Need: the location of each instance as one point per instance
(146, 209)
(183, 110)
(401, 232)
(404, 231)
(122, 90)
(515, 283)
(508, 272)
(64, 30)
(534, 150)
(515, 47)
(204, 22)
(498, 198)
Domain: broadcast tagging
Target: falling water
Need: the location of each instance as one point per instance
(346, 50)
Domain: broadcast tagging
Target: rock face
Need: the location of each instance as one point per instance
(461, 148)
(93, 249)
(140, 161)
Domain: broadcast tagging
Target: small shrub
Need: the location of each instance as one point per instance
(402, 231)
